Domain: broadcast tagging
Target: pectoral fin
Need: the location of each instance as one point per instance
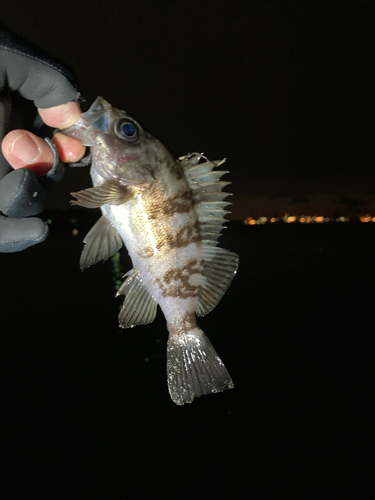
(101, 242)
(108, 192)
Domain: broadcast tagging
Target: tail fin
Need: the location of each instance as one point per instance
(194, 368)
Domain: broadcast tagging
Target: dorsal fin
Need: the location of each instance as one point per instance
(207, 193)
(219, 265)
(219, 268)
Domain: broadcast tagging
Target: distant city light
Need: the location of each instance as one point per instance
(366, 218)
(305, 219)
(250, 221)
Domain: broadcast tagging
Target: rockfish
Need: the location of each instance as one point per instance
(169, 213)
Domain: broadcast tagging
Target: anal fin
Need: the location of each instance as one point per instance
(139, 306)
(108, 192)
(101, 242)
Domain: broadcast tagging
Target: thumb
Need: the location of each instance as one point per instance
(23, 149)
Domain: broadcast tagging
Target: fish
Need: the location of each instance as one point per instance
(169, 214)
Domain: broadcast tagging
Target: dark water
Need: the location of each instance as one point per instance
(86, 411)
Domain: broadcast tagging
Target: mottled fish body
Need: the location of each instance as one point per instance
(169, 213)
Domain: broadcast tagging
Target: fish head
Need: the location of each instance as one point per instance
(121, 149)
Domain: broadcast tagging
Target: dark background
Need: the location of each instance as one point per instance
(284, 91)
(85, 406)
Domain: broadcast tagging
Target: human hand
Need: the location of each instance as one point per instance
(27, 74)
(23, 149)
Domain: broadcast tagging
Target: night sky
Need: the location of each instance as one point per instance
(282, 89)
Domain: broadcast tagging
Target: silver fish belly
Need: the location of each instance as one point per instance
(169, 214)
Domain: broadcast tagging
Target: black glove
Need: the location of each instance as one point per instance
(27, 74)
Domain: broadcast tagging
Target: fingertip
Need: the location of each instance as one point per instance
(70, 150)
(22, 149)
(62, 116)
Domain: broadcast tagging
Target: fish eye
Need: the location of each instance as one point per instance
(126, 130)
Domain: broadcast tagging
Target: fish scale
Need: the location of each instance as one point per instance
(169, 214)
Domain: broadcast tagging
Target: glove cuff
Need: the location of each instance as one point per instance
(56, 173)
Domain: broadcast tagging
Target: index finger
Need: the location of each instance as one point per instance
(70, 150)
(62, 116)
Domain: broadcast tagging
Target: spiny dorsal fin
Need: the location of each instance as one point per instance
(207, 193)
(109, 192)
(101, 242)
(139, 306)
